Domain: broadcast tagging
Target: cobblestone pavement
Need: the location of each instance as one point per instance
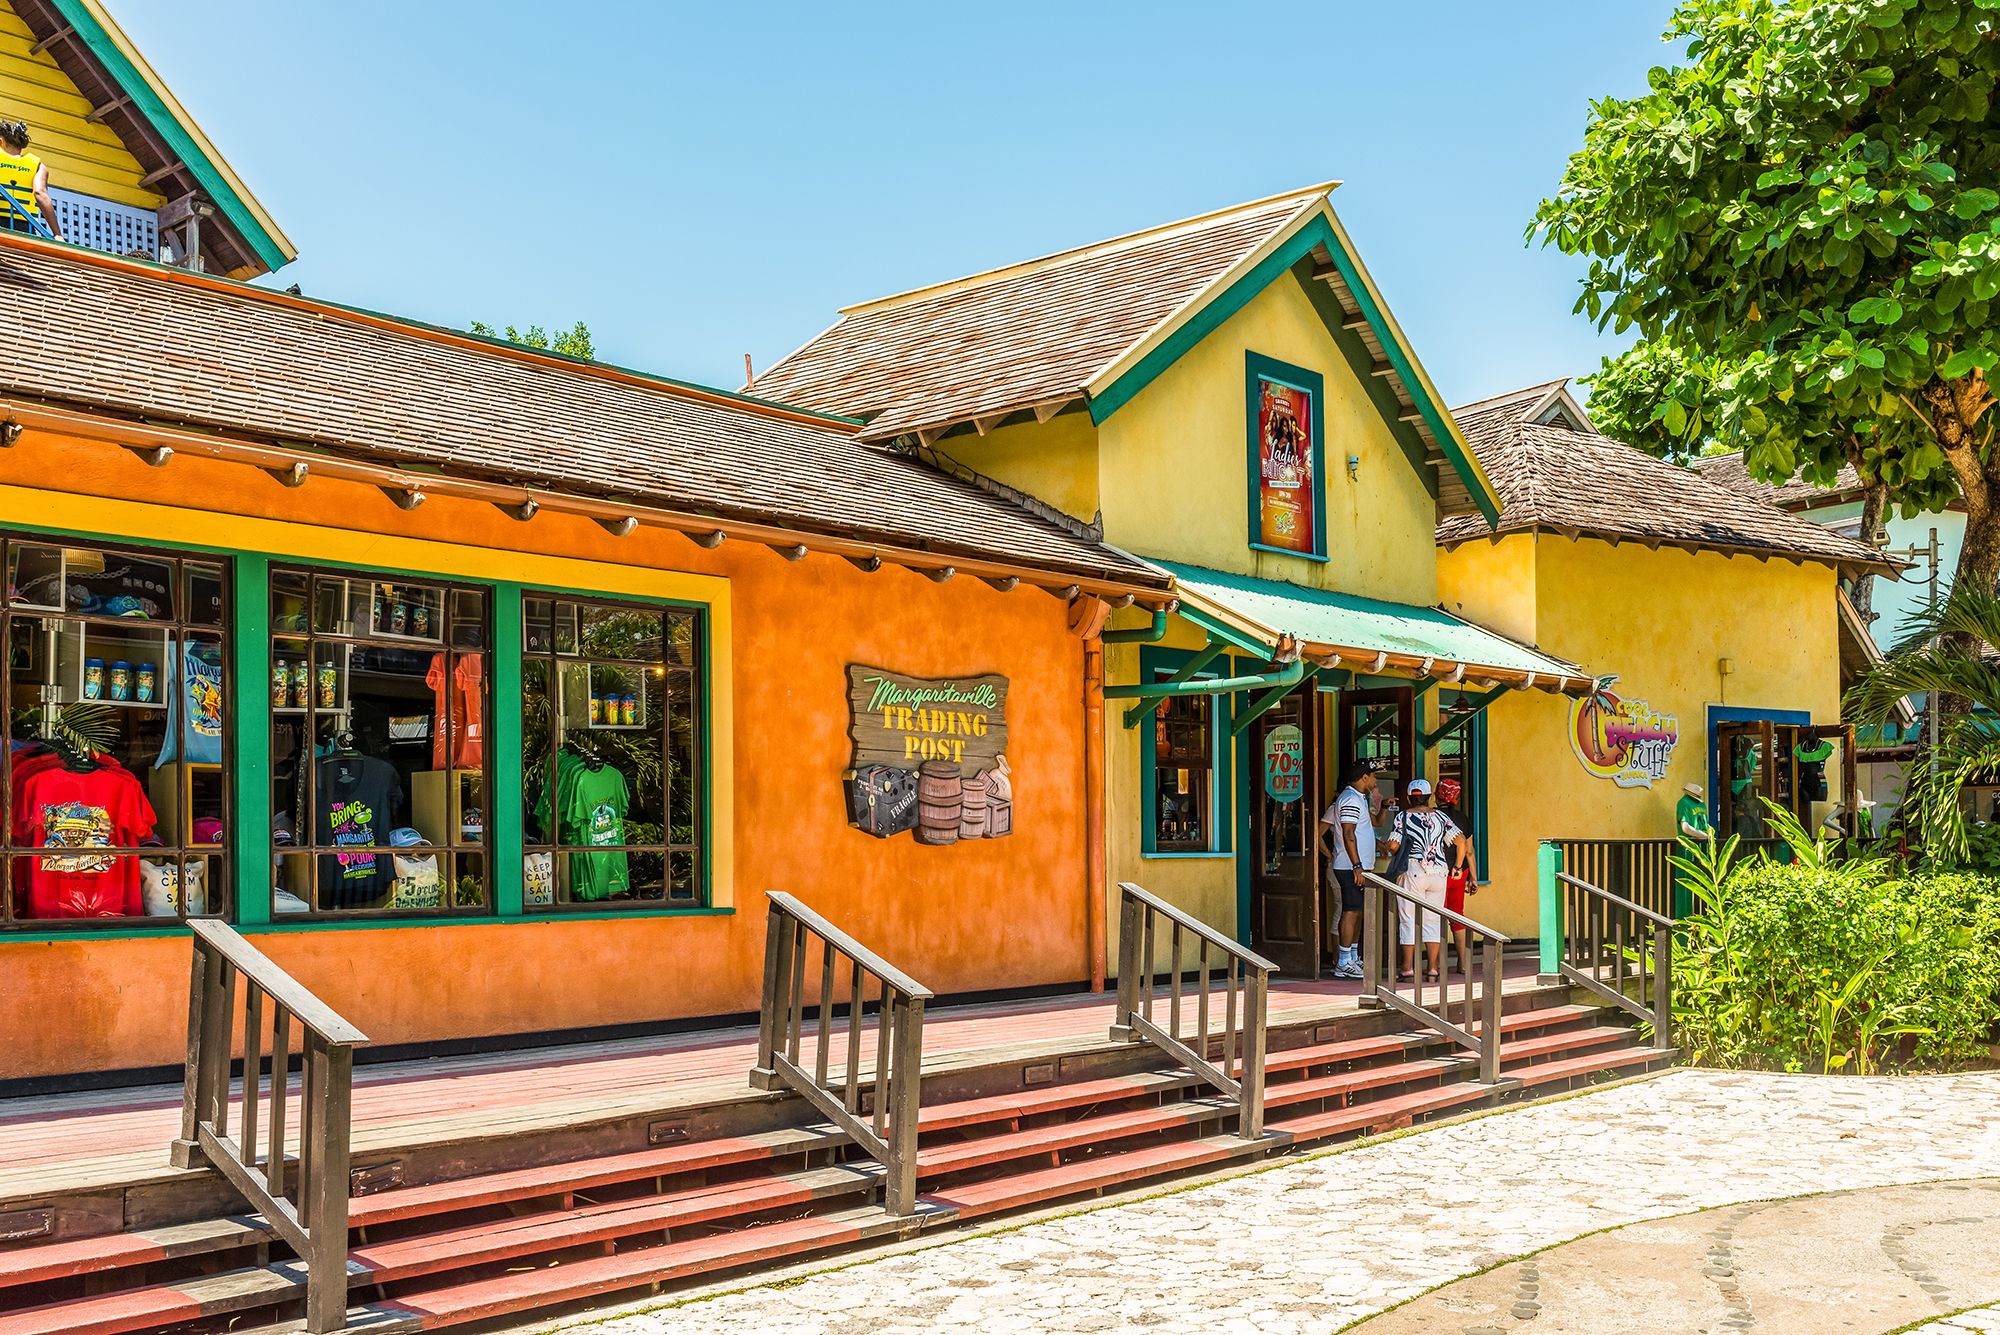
(1853, 1261)
(1982, 1321)
(1313, 1245)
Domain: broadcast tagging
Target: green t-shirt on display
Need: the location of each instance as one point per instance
(1690, 810)
(588, 808)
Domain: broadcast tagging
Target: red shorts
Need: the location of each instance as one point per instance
(1454, 897)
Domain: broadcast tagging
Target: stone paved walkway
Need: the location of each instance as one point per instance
(1835, 1264)
(1315, 1245)
(1984, 1321)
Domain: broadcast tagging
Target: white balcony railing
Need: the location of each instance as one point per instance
(100, 224)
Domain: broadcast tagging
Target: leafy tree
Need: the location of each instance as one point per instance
(574, 342)
(1954, 652)
(1801, 223)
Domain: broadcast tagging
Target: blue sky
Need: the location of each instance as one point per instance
(697, 182)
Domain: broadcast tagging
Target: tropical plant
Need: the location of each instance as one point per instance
(1799, 221)
(1952, 651)
(572, 342)
(80, 726)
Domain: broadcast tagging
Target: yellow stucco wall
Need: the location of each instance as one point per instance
(82, 155)
(1053, 461)
(1492, 583)
(1176, 476)
(1662, 621)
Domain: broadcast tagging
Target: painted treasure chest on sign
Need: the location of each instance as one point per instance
(881, 799)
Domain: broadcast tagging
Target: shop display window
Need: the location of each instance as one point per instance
(1461, 759)
(612, 755)
(114, 740)
(1183, 774)
(379, 696)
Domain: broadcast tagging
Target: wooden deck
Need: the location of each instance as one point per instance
(111, 1138)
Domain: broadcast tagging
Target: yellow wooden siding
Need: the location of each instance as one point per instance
(1176, 466)
(1053, 461)
(82, 155)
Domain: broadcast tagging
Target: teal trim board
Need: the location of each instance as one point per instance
(504, 812)
(1316, 231)
(1258, 369)
(250, 738)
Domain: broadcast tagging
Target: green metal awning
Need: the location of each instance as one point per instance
(1341, 631)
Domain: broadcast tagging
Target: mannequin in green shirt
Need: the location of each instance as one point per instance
(1691, 827)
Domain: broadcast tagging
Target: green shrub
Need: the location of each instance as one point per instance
(1829, 966)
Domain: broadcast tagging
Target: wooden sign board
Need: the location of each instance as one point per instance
(930, 756)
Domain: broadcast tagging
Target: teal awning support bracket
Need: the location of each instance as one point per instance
(1453, 722)
(1265, 701)
(1288, 675)
(1187, 672)
(1152, 634)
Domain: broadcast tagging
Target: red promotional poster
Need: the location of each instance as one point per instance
(1285, 467)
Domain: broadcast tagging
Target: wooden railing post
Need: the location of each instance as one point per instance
(770, 1022)
(1257, 987)
(1548, 867)
(906, 1090)
(1489, 1013)
(326, 1211)
(1663, 975)
(1375, 962)
(1133, 977)
(185, 1151)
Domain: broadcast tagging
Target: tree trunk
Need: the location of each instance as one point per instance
(1873, 502)
(1957, 408)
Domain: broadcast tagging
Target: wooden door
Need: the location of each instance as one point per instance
(1281, 785)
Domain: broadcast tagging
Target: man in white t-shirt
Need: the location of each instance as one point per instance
(1347, 832)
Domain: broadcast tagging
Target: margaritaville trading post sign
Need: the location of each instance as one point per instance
(930, 756)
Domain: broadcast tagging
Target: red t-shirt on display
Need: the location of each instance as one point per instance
(59, 809)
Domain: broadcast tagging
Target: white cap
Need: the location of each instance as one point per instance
(1418, 786)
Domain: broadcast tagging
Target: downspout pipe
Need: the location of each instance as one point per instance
(1290, 674)
(1152, 634)
(1094, 886)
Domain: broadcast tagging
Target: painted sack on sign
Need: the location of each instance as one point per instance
(882, 800)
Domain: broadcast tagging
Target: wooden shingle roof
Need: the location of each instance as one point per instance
(1580, 483)
(1729, 470)
(1029, 334)
(137, 341)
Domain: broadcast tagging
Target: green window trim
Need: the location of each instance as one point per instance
(1256, 369)
(1154, 662)
(248, 619)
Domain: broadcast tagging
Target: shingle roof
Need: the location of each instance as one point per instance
(138, 341)
(1554, 479)
(1027, 334)
(1729, 470)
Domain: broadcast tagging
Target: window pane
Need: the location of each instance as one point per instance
(537, 625)
(378, 754)
(1183, 756)
(622, 632)
(116, 715)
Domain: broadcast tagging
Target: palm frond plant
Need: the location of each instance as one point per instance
(1952, 653)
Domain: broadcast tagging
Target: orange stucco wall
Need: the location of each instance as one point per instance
(985, 914)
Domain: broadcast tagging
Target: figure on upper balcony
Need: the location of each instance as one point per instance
(24, 180)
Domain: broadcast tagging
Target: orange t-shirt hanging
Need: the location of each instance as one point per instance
(459, 745)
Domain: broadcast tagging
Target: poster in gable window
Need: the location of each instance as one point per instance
(1285, 459)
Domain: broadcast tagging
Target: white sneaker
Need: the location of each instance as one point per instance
(1350, 968)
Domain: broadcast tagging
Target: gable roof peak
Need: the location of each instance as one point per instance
(1307, 197)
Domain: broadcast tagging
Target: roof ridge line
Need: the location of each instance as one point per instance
(434, 333)
(985, 276)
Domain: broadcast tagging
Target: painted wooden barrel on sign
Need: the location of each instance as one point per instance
(972, 807)
(939, 802)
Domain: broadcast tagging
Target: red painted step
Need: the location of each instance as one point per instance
(1347, 1083)
(940, 1159)
(518, 1291)
(156, 1305)
(1575, 1040)
(1382, 1114)
(115, 1251)
(527, 1235)
(1360, 1049)
(1637, 1055)
(1049, 1098)
(1049, 1184)
(580, 1175)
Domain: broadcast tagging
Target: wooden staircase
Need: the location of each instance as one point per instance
(476, 1246)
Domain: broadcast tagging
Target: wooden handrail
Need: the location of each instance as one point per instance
(1379, 942)
(1596, 942)
(1240, 1069)
(887, 1126)
(1640, 910)
(305, 1200)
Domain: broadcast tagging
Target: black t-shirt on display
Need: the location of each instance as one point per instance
(357, 799)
